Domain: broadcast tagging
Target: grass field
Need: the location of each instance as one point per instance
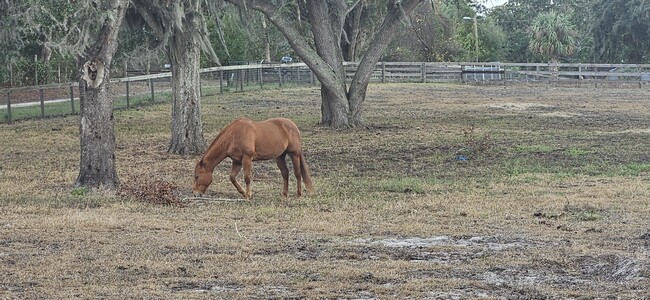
(450, 192)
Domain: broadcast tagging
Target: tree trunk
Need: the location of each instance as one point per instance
(340, 107)
(184, 54)
(335, 111)
(96, 122)
(353, 32)
(267, 41)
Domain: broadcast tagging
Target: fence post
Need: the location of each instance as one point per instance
(42, 103)
(126, 75)
(72, 98)
(311, 77)
(580, 77)
(152, 90)
(241, 79)
(35, 69)
(280, 75)
(383, 72)
(298, 79)
(261, 76)
(8, 106)
(221, 81)
(423, 72)
(128, 103)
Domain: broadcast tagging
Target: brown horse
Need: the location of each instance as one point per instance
(245, 141)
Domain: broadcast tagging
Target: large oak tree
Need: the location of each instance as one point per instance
(96, 121)
(88, 31)
(320, 48)
(180, 27)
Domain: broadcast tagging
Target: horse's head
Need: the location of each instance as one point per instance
(202, 179)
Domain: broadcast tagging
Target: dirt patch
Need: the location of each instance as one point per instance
(520, 106)
(486, 243)
(561, 114)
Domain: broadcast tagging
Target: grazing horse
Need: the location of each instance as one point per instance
(245, 141)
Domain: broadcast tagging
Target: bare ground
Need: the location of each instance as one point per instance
(451, 192)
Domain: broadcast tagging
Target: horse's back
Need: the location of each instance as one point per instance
(284, 123)
(266, 139)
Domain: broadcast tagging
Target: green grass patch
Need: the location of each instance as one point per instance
(403, 185)
(584, 212)
(32, 112)
(64, 108)
(534, 149)
(577, 152)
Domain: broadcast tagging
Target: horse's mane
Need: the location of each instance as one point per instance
(219, 137)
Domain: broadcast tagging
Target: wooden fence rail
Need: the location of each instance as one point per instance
(21, 102)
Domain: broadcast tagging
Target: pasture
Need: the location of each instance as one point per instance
(451, 192)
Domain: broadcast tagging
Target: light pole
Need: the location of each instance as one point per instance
(475, 34)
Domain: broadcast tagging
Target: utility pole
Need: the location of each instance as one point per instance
(476, 37)
(475, 34)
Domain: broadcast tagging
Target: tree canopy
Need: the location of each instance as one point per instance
(621, 30)
(606, 31)
(552, 36)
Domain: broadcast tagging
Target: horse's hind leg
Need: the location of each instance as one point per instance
(295, 160)
(281, 161)
(234, 171)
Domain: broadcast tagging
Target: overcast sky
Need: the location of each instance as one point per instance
(491, 3)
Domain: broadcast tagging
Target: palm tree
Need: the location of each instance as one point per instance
(552, 36)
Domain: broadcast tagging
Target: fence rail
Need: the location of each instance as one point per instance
(59, 99)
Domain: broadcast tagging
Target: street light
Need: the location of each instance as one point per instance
(475, 34)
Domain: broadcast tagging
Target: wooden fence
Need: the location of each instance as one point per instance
(61, 99)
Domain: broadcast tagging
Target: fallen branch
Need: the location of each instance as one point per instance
(213, 199)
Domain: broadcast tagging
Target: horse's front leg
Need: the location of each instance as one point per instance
(247, 162)
(281, 161)
(234, 171)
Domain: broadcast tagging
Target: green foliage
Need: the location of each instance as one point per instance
(516, 16)
(621, 30)
(552, 36)
(240, 44)
(430, 36)
(441, 34)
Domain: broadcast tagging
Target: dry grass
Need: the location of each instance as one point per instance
(552, 202)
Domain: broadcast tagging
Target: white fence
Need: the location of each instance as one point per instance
(59, 99)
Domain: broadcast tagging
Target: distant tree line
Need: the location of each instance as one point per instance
(603, 31)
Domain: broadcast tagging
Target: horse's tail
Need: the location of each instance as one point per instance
(306, 176)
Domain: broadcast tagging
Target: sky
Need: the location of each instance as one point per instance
(492, 3)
